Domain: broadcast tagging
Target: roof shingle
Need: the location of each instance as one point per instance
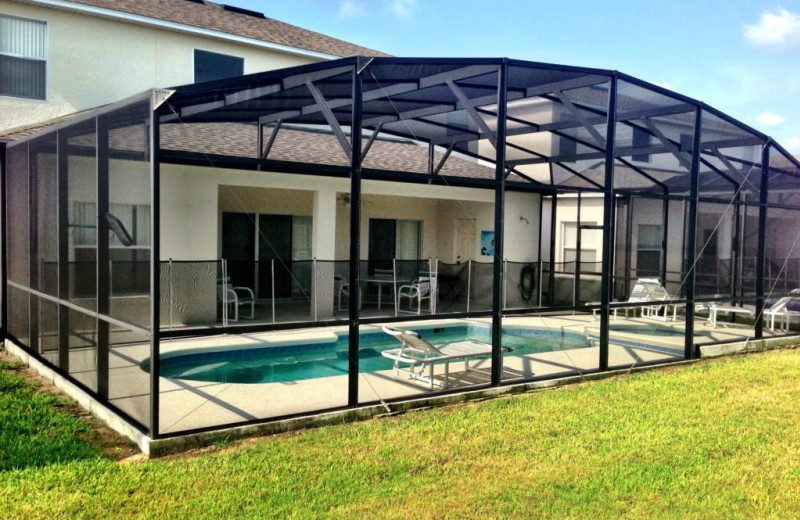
(215, 17)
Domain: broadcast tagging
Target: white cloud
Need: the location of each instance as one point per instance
(767, 118)
(403, 8)
(792, 144)
(351, 9)
(776, 27)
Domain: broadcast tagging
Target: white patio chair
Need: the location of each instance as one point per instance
(236, 296)
(342, 290)
(419, 290)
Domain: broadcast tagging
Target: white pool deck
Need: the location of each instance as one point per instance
(187, 405)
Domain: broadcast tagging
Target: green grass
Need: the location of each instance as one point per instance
(713, 440)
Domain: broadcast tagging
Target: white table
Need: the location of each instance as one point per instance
(384, 281)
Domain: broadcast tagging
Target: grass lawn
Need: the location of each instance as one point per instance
(717, 439)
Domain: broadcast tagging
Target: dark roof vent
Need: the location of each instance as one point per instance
(246, 12)
(201, 2)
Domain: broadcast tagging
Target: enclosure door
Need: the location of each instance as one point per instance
(275, 243)
(467, 239)
(239, 247)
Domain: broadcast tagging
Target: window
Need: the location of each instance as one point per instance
(648, 250)
(641, 139)
(393, 239)
(209, 66)
(23, 58)
(569, 245)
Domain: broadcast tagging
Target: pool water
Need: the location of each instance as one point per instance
(276, 364)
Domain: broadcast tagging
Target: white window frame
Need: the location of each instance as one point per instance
(648, 249)
(574, 247)
(46, 60)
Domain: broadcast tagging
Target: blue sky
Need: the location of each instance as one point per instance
(741, 56)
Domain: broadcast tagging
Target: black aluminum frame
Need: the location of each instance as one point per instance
(209, 102)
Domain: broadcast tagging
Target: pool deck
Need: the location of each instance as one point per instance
(187, 405)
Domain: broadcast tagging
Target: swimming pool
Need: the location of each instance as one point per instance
(292, 362)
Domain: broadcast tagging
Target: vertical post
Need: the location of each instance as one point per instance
(664, 231)
(606, 286)
(314, 285)
(691, 245)
(469, 281)
(171, 294)
(576, 275)
(103, 255)
(63, 248)
(394, 287)
(33, 248)
(552, 281)
(499, 214)
(3, 237)
(272, 287)
(539, 249)
(505, 283)
(628, 244)
(155, 278)
(355, 240)
(761, 258)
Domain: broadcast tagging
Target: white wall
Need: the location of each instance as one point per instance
(192, 200)
(94, 61)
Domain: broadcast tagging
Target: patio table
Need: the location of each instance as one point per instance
(380, 282)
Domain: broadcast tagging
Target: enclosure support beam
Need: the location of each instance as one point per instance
(3, 246)
(552, 280)
(499, 143)
(33, 250)
(330, 117)
(606, 281)
(664, 239)
(355, 242)
(155, 278)
(691, 241)
(628, 244)
(761, 258)
(103, 257)
(576, 291)
(63, 248)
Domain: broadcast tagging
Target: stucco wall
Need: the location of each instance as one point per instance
(113, 60)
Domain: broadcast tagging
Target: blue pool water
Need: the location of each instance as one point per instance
(275, 364)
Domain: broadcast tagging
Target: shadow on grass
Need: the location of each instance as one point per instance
(37, 429)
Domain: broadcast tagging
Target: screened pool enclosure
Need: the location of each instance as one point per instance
(227, 253)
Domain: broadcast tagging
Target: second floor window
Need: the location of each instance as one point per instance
(209, 66)
(23, 58)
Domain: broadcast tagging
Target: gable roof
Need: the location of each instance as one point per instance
(217, 17)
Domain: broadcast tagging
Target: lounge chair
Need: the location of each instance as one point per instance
(415, 351)
(646, 290)
(714, 309)
(786, 308)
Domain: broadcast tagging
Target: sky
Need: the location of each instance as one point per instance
(740, 56)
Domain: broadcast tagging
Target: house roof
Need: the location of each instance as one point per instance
(238, 22)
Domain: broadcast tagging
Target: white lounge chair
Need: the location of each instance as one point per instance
(342, 290)
(417, 352)
(714, 309)
(780, 309)
(236, 296)
(646, 290)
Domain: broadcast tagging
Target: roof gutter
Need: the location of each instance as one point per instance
(172, 26)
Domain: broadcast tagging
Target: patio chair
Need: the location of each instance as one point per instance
(786, 308)
(237, 296)
(342, 290)
(417, 352)
(419, 290)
